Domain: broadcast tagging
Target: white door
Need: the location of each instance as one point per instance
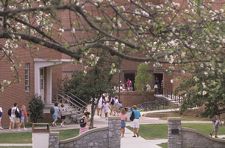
(42, 83)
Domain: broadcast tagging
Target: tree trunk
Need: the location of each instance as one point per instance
(93, 107)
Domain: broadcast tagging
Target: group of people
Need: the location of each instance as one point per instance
(57, 112)
(110, 105)
(18, 117)
(134, 118)
(127, 86)
(84, 121)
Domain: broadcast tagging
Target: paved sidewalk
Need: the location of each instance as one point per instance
(138, 142)
(127, 142)
(15, 145)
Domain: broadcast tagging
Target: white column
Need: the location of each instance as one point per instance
(37, 79)
(49, 86)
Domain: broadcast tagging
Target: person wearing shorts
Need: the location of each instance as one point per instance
(123, 119)
(136, 121)
(1, 113)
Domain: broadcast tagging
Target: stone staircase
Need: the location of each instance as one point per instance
(177, 100)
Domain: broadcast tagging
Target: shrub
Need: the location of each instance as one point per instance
(36, 107)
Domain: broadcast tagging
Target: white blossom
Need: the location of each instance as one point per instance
(204, 92)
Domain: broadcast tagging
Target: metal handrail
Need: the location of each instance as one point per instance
(81, 105)
(72, 103)
(85, 104)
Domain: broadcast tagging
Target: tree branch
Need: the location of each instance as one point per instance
(42, 42)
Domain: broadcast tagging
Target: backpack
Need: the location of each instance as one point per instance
(18, 113)
(112, 102)
(52, 110)
(9, 112)
(132, 116)
(82, 122)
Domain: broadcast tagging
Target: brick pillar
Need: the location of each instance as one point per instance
(174, 133)
(54, 140)
(114, 132)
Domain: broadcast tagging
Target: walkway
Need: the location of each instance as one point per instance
(138, 142)
(127, 142)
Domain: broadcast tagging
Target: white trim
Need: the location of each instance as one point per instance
(41, 63)
(49, 86)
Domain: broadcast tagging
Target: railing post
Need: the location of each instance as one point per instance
(40, 132)
(114, 132)
(174, 133)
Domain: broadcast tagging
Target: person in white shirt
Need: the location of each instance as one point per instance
(99, 107)
(1, 113)
(15, 119)
(106, 108)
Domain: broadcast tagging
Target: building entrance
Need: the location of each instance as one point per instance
(158, 85)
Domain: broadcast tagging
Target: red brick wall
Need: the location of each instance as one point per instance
(16, 92)
(134, 98)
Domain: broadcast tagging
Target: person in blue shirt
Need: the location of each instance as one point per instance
(136, 121)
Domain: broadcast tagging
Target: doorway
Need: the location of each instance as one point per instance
(130, 76)
(158, 85)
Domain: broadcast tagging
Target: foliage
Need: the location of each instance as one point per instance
(93, 83)
(205, 88)
(187, 34)
(36, 107)
(143, 77)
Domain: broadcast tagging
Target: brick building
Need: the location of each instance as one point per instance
(42, 70)
(40, 73)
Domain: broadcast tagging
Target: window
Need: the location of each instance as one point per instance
(27, 77)
(42, 78)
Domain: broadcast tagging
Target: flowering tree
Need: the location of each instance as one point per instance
(189, 33)
(94, 83)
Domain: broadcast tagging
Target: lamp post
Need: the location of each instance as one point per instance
(171, 81)
(119, 85)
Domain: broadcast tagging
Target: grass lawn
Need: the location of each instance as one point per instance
(157, 131)
(26, 137)
(184, 117)
(163, 145)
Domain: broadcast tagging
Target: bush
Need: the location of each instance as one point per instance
(36, 107)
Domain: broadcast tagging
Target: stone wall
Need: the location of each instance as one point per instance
(174, 133)
(179, 137)
(107, 137)
(54, 140)
(193, 139)
(95, 138)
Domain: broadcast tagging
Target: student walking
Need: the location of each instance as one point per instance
(24, 117)
(123, 119)
(84, 122)
(99, 107)
(106, 108)
(14, 117)
(136, 121)
(55, 114)
(216, 122)
(1, 113)
(62, 114)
